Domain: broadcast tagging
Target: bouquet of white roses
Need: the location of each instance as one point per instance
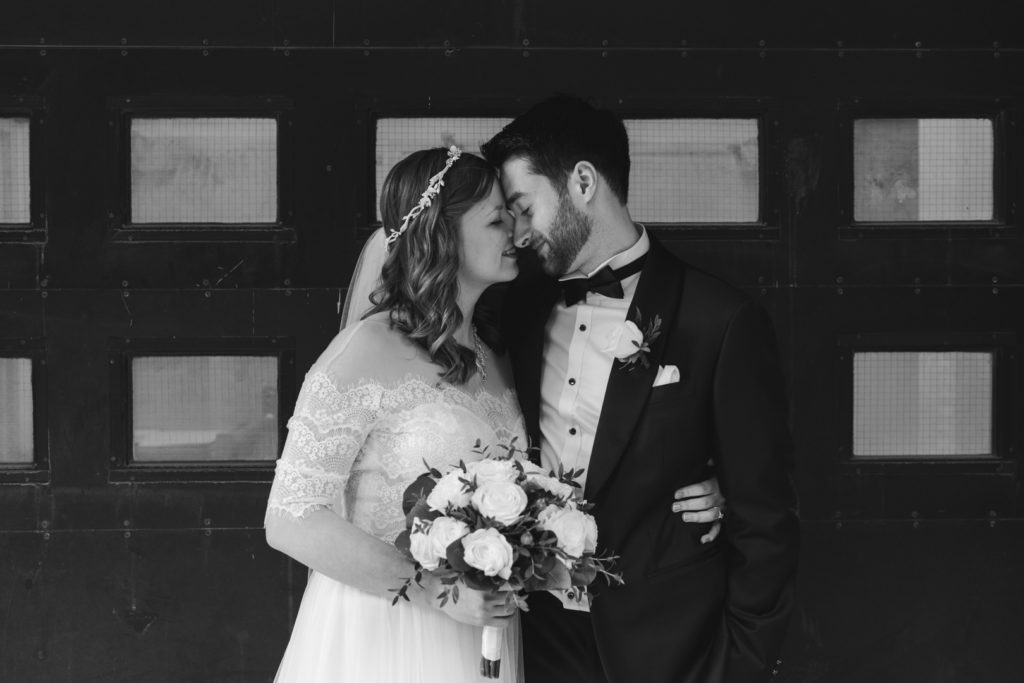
(501, 523)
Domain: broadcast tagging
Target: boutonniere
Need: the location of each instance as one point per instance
(630, 342)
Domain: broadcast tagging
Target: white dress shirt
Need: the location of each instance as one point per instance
(574, 375)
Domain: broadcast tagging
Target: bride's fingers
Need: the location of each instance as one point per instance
(696, 504)
(700, 489)
(712, 514)
(712, 533)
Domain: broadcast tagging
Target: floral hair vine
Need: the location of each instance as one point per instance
(434, 186)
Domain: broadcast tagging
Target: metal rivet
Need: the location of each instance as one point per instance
(526, 42)
(526, 53)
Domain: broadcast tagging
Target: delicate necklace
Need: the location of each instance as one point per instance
(481, 363)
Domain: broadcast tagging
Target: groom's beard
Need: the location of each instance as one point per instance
(570, 230)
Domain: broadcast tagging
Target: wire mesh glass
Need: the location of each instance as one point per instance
(204, 408)
(922, 404)
(694, 170)
(15, 183)
(204, 170)
(16, 433)
(908, 170)
(683, 170)
(397, 138)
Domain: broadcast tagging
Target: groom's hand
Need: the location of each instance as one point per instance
(702, 503)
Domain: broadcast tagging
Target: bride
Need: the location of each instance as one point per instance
(412, 381)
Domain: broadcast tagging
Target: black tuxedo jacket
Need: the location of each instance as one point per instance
(687, 612)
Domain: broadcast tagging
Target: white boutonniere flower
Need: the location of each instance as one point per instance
(630, 342)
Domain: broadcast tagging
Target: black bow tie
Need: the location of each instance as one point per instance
(606, 281)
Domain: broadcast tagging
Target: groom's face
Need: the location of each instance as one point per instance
(545, 219)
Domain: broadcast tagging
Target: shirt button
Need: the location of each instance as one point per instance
(583, 328)
(572, 430)
(572, 381)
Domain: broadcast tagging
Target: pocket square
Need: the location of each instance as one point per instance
(667, 374)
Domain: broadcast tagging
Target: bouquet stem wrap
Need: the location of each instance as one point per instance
(490, 652)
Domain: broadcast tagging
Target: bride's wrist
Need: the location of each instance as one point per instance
(423, 594)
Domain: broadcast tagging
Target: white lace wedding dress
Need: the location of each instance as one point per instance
(361, 431)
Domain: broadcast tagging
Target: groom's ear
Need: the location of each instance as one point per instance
(583, 182)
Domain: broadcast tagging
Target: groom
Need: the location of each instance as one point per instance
(705, 379)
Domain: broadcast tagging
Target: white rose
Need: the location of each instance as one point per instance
(552, 485)
(624, 340)
(445, 531)
(421, 547)
(449, 490)
(490, 469)
(576, 530)
(502, 501)
(530, 467)
(488, 551)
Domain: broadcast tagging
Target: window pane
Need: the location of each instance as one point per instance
(923, 170)
(683, 170)
(694, 170)
(204, 408)
(922, 404)
(398, 138)
(16, 411)
(14, 171)
(213, 170)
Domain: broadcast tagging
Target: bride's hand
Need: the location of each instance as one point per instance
(702, 503)
(474, 607)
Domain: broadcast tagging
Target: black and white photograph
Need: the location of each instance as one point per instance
(512, 341)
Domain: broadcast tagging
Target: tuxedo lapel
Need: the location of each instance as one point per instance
(529, 356)
(657, 294)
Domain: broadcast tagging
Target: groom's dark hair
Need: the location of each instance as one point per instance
(556, 134)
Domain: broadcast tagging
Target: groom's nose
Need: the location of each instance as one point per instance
(521, 234)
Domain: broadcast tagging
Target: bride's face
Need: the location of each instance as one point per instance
(487, 254)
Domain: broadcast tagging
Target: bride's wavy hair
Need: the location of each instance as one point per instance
(419, 284)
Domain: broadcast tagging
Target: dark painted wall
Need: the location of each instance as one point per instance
(909, 573)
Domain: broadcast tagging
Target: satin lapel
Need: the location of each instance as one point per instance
(528, 362)
(657, 293)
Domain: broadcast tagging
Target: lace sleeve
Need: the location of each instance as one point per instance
(325, 434)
